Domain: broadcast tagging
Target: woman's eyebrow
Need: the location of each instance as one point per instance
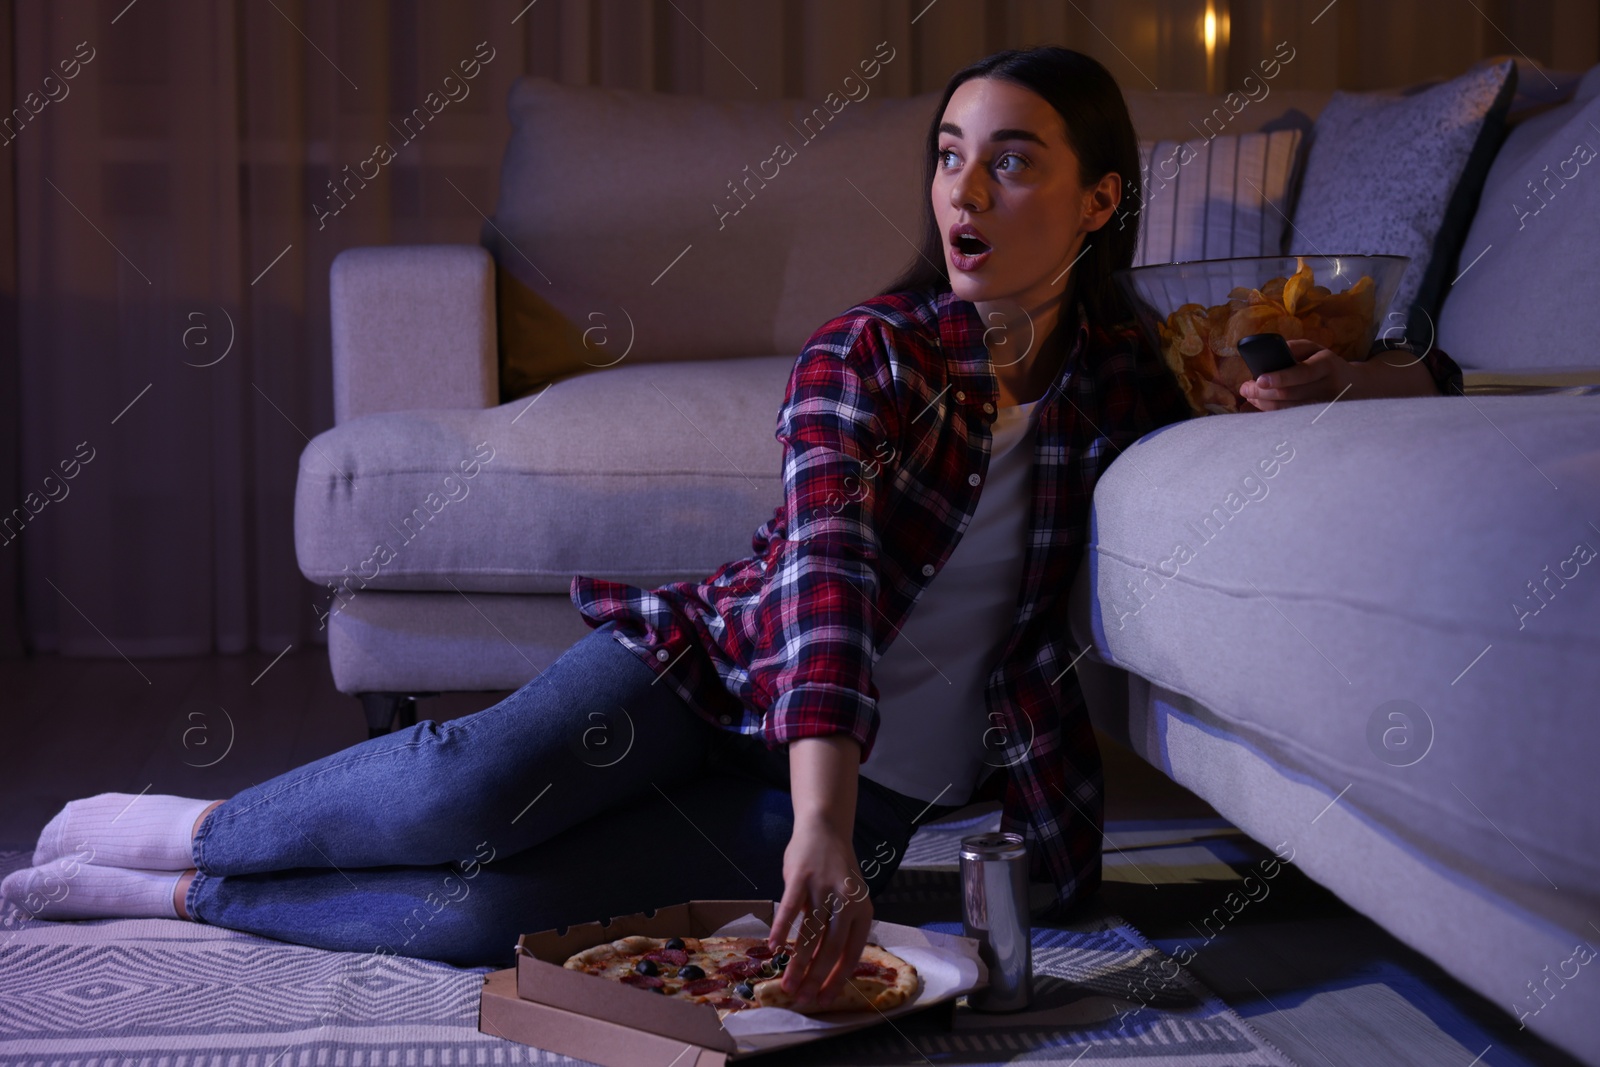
(1008, 134)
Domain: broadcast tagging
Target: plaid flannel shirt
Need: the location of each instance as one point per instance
(886, 431)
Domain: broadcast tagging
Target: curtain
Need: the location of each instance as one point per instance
(170, 177)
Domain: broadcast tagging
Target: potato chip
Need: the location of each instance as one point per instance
(1295, 288)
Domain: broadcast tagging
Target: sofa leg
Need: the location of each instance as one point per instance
(389, 710)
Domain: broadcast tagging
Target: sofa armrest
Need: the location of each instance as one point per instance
(413, 327)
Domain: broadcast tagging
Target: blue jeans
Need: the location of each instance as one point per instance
(592, 791)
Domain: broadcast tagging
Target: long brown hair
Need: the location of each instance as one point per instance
(1099, 130)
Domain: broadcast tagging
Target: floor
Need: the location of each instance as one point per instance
(1324, 984)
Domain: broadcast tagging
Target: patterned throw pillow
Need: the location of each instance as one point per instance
(1400, 175)
(1215, 198)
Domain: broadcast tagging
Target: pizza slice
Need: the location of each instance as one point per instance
(734, 973)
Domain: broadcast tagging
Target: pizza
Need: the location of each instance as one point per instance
(734, 973)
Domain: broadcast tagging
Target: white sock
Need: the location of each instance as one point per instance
(71, 889)
(136, 830)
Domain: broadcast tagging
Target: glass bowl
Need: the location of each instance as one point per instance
(1194, 313)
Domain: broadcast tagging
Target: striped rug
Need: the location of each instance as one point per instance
(165, 993)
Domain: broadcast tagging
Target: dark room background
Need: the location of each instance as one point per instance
(164, 270)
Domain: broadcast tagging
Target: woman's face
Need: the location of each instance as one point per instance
(1005, 168)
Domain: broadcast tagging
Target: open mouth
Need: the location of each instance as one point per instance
(969, 245)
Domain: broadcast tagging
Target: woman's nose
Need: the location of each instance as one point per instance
(968, 192)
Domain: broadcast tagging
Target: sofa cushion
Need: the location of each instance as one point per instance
(766, 218)
(1215, 198)
(784, 213)
(1399, 175)
(1528, 302)
(645, 473)
(1305, 573)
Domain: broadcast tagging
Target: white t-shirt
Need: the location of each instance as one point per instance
(932, 715)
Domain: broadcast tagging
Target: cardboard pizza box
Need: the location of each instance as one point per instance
(504, 1014)
(541, 1003)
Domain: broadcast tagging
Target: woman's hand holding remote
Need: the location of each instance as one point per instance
(823, 886)
(1321, 375)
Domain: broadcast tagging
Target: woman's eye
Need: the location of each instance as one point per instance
(945, 155)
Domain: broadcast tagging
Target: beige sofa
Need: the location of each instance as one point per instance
(620, 210)
(447, 525)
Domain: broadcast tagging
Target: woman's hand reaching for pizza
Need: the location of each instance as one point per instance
(824, 890)
(823, 886)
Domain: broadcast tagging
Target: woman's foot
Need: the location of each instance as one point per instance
(72, 889)
(139, 831)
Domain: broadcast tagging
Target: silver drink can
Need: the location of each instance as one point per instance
(994, 907)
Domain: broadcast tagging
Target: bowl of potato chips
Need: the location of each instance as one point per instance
(1194, 313)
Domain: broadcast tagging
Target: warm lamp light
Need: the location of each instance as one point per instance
(1214, 29)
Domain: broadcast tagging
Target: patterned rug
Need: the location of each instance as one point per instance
(165, 993)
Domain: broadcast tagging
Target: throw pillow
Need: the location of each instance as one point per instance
(538, 344)
(1215, 198)
(1398, 174)
(1523, 305)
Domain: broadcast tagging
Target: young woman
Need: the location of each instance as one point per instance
(895, 646)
